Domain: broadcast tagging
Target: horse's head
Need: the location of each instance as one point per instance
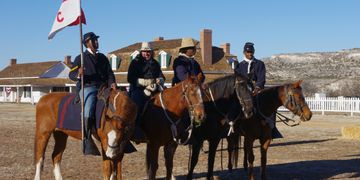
(192, 94)
(294, 100)
(243, 93)
(117, 123)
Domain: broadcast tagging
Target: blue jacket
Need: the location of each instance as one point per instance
(97, 70)
(183, 66)
(140, 68)
(258, 67)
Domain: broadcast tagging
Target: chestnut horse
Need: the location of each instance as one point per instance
(117, 124)
(266, 103)
(222, 95)
(160, 118)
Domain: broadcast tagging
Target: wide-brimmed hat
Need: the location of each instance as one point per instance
(145, 46)
(187, 43)
(88, 36)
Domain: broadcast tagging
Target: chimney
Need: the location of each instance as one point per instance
(67, 60)
(12, 61)
(226, 48)
(206, 46)
(159, 38)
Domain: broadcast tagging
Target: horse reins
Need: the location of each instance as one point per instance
(174, 124)
(291, 100)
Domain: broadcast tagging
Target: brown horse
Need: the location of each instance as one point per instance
(117, 124)
(266, 103)
(160, 121)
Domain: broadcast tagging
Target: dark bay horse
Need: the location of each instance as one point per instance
(117, 124)
(160, 119)
(222, 95)
(266, 103)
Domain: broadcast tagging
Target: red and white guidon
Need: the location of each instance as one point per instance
(68, 15)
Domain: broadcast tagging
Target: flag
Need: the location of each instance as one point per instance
(68, 15)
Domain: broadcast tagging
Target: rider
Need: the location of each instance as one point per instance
(185, 65)
(145, 78)
(96, 71)
(257, 71)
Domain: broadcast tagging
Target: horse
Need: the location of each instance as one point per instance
(223, 95)
(160, 119)
(266, 103)
(116, 127)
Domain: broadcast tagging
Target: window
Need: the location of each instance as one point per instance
(27, 92)
(60, 89)
(164, 59)
(1, 91)
(114, 62)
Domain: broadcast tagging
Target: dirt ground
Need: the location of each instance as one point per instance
(313, 150)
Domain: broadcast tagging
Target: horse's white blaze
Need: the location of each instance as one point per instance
(110, 152)
(38, 169)
(200, 96)
(57, 172)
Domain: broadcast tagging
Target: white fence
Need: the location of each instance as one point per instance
(332, 104)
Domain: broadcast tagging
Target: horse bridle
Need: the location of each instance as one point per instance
(191, 108)
(241, 101)
(291, 100)
(125, 130)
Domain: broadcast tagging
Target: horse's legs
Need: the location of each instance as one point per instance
(194, 158)
(211, 156)
(152, 155)
(108, 166)
(169, 151)
(233, 151)
(249, 143)
(264, 145)
(245, 163)
(118, 169)
(41, 141)
(60, 144)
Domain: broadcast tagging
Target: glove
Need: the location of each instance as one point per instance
(149, 89)
(144, 82)
(160, 81)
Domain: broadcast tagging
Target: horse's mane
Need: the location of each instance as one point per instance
(222, 87)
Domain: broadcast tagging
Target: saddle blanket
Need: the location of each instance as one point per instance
(69, 114)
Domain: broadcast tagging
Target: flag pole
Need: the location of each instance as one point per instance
(82, 79)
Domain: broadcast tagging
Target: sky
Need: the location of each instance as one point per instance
(275, 27)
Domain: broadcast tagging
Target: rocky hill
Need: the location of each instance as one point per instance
(332, 73)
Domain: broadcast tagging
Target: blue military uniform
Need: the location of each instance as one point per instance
(184, 66)
(96, 71)
(258, 69)
(146, 69)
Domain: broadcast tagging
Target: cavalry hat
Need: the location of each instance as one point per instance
(88, 36)
(187, 42)
(249, 46)
(145, 46)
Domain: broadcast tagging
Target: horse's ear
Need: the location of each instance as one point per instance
(297, 84)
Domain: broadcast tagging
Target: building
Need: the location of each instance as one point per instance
(29, 81)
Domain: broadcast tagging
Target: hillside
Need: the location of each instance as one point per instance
(333, 73)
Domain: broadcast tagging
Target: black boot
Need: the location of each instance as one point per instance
(275, 133)
(89, 146)
(138, 136)
(129, 148)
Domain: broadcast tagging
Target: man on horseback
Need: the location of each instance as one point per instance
(250, 66)
(145, 78)
(96, 71)
(184, 66)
